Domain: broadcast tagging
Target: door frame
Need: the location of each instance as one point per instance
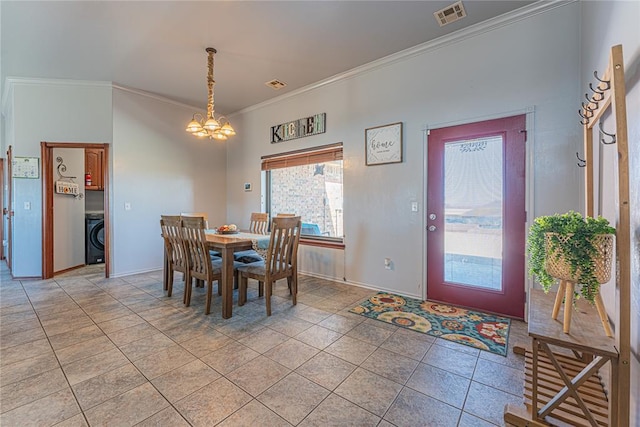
(9, 254)
(529, 202)
(4, 210)
(46, 152)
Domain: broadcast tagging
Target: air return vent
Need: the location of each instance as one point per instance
(276, 84)
(450, 14)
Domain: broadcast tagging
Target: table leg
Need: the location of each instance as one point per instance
(227, 282)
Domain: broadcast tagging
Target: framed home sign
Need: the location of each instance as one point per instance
(383, 144)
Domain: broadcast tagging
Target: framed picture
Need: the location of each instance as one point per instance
(383, 144)
(247, 186)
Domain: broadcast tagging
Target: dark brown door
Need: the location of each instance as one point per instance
(476, 215)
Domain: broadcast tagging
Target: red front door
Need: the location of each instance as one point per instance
(476, 215)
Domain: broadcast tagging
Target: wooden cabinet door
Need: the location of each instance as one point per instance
(93, 166)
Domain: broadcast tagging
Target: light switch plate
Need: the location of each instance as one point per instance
(414, 206)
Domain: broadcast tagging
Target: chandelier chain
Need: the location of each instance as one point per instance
(210, 84)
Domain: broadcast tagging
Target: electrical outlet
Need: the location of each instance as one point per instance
(414, 206)
(388, 263)
(27, 206)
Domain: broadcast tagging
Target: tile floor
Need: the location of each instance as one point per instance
(84, 350)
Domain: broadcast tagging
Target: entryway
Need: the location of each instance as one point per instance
(476, 215)
(87, 214)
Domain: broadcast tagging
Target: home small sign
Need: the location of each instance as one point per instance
(307, 126)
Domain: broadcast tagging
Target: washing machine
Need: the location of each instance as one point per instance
(95, 238)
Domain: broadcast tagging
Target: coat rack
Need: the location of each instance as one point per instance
(610, 94)
(551, 378)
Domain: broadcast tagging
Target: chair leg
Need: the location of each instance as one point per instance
(294, 289)
(219, 281)
(169, 280)
(165, 272)
(267, 297)
(242, 293)
(236, 279)
(289, 285)
(187, 289)
(260, 288)
(207, 307)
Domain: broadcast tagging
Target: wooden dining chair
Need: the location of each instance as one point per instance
(202, 215)
(201, 265)
(259, 224)
(175, 250)
(281, 261)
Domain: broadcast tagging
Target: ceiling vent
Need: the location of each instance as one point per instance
(450, 14)
(276, 84)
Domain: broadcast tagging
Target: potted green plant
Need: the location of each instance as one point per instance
(571, 247)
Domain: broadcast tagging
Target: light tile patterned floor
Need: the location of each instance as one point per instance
(84, 350)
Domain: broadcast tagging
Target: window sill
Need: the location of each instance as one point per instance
(321, 243)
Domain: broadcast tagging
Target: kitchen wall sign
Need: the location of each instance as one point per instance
(300, 128)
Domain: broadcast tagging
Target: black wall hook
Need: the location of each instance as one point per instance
(588, 112)
(591, 100)
(586, 119)
(581, 162)
(603, 133)
(606, 82)
(597, 91)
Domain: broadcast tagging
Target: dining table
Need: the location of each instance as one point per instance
(227, 244)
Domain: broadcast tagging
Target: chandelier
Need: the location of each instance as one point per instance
(219, 128)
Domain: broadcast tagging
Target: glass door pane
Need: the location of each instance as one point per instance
(473, 207)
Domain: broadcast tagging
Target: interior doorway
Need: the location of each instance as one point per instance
(476, 215)
(48, 189)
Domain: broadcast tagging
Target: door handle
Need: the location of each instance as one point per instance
(432, 228)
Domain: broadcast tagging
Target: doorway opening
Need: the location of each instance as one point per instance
(100, 162)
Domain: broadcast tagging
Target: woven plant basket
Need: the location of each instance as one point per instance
(559, 268)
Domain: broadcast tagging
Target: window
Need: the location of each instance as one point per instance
(308, 183)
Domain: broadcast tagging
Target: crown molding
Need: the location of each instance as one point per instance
(11, 82)
(455, 37)
(155, 97)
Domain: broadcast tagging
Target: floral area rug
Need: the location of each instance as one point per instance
(480, 330)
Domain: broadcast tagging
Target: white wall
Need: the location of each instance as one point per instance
(605, 24)
(154, 165)
(68, 212)
(531, 62)
(52, 111)
(159, 169)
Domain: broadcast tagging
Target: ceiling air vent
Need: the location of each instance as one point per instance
(276, 84)
(450, 14)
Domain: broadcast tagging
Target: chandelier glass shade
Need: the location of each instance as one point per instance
(215, 128)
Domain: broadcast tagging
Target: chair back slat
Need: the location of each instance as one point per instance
(283, 245)
(259, 223)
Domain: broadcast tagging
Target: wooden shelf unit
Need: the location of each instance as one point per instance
(562, 387)
(561, 372)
